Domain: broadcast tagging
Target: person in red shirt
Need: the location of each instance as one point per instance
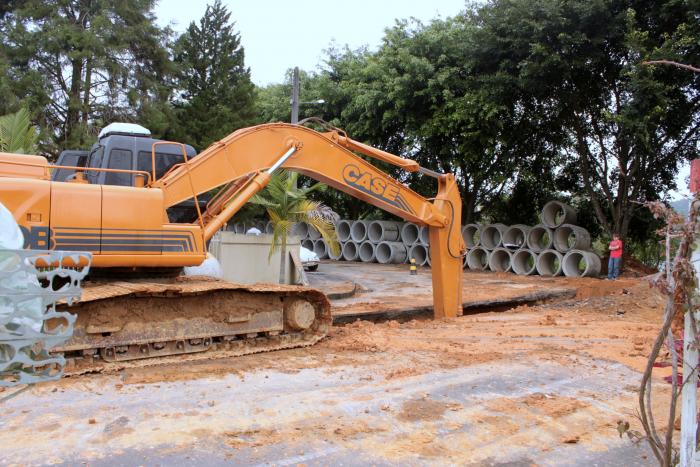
(615, 257)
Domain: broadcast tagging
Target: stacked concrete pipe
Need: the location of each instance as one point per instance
(351, 251)
(556, 213)
(492, 236)
(579, 263)
(391, 253)
(358, 231)
(571, 237)
(368, 252)
(342, 229)
(549, 263)
(478, 258)
(384, 231)
(500, 260)
(524, 262)
(419, 252)
(471, 234)
(410, 234)
(320, 248)
(515, 236)
(539, 238)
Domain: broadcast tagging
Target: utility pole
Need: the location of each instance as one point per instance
(295, 96)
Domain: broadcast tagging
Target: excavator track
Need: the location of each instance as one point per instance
(149, 322)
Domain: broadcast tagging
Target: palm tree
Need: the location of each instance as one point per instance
(17, 134)
(288, 204)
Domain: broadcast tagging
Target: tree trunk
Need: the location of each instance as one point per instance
(74, 101)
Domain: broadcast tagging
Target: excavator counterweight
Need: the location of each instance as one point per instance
(126, 208)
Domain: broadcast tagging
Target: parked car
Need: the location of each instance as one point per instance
(309, 259)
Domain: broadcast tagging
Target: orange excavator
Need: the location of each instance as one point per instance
(119, 203)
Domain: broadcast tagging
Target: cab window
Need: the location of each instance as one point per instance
(95, 163)
(119, 159)
(164, 161)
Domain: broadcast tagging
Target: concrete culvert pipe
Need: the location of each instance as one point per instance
(384, 231)
(337, 257)
(571, 237)
(429, 260)
(471, 233)
(524, 262)
(549, 263)
(321, 249)
(301, 230)
(308, 244)
(492, 235)
(351, 251)
(539, 238)
(419, 253)
(269, 228)
(342, 229)
(314, 234)
(409, 233)
(500, 260)
(358, 231)
(424, 236)
(515, 236)
(578, 263)
(392, 252)
(367, 252)
(556, 213)
(478, 258)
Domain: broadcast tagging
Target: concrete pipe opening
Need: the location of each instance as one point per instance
(351, 251)
(478, 259)
(384, 231)
(578, 263)
(308, 244)
(321, 249)
(392, 253)
(524, 262)
(409, 233)
(556, 213)
(269, 228)
(492, 236)
(500, 260)
(549, 263)
(539, 238)
(335, 257)
(342, 229)
(571, 237)
(429, 260)
(358, 231)
(424, 236)
(367, 252)
(314, 234)
(419, 253)
(301, 230)
(515, 236)
(471, 233)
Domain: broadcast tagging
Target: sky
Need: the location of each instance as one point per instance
(278, 34)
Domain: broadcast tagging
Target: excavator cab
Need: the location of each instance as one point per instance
(126, 146)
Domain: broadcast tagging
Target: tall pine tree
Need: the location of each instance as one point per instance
(217, 95)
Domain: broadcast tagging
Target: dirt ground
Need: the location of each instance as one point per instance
(538, 384)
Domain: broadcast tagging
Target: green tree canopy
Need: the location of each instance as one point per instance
(83, 63)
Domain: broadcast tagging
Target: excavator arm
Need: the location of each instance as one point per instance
(243, 162)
